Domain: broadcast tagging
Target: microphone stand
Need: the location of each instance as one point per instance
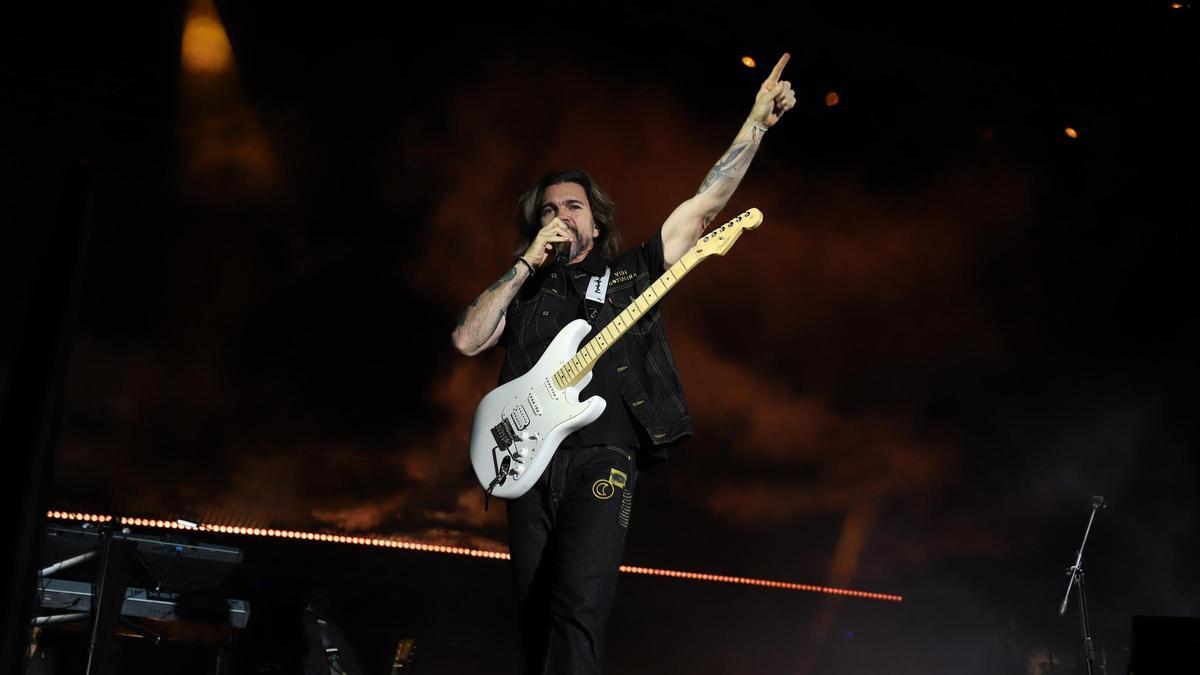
(1076, 582)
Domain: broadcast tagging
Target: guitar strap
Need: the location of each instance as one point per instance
(593, 300)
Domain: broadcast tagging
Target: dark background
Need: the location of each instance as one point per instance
(956, 325)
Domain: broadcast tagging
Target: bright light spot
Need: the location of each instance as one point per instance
(832, 98)
(205, 46)
(1071, 133)
(748, 62)
(1176, 5)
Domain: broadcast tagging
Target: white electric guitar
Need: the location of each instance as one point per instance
(519, 425)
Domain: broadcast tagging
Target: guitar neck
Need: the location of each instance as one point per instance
(581, 364)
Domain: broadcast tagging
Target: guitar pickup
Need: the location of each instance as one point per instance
(520, 418)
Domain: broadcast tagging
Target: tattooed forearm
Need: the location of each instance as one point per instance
(508, 276)
(689, 220)
(478, 325)
(732, 166)
(462, 318)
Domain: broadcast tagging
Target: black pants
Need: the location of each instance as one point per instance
(566, 536)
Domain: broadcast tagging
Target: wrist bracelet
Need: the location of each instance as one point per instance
(528, 264)
(758, 126)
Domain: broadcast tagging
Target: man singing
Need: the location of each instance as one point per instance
(566, 534)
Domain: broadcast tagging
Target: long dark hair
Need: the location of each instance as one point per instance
(604, 211)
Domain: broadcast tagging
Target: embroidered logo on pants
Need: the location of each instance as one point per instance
(607, 487)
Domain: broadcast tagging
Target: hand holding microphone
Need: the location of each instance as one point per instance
(551, 243)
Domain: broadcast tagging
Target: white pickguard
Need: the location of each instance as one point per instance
(535, 414)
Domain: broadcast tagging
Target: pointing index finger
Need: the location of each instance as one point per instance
(778, 71)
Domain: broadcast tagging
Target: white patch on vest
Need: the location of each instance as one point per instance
(598, 287)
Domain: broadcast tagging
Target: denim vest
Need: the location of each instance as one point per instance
(646, 371)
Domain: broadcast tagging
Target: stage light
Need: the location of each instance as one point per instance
(748, 62)
(832, 99)
(1071, 132)
(205, 47)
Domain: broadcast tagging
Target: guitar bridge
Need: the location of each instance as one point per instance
(504, 434)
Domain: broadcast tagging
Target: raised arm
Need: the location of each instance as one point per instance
(688, 221)
(481, 324)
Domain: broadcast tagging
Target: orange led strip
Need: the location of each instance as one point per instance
(285, 534)
(63, 515)
(764, 583)
(456, 550)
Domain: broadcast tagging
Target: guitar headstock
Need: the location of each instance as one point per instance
(405, 651)
(719, 240)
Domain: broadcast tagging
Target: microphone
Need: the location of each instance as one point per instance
(562, 251)
(1098, 502)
